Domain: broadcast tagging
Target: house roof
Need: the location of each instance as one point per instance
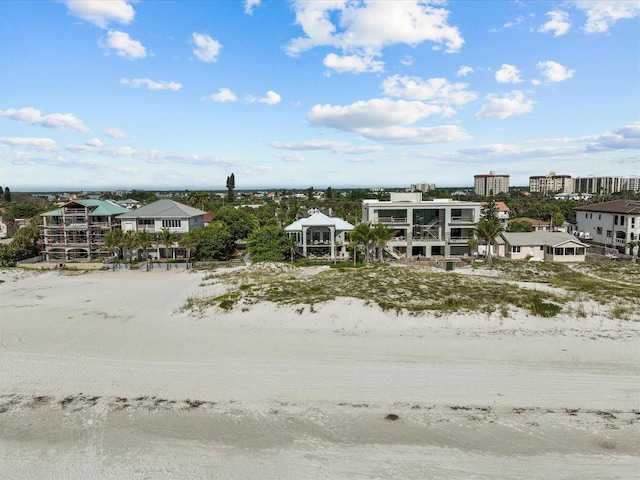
(549, 239)
(97, 207)
(533, 221)
(615, 206)
(319, 219)
(500, 206)
(163, 209)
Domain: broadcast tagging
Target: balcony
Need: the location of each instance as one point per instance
(459, 240)
(393, 220)
(465, 219)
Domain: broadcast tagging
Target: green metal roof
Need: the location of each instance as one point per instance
(97, 207)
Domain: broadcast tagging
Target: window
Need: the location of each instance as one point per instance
(608, 233)
(622, 220)
(615, 219)
(599, 216)
(599, 230)
(515, 249)
(171, 223)
(145, 222)
(591, 215)
(558, 251)
(541, 248)
(569, 251)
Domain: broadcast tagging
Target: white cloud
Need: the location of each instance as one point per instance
(224, 95)
(33, 116)
(311, 145)
(508, 74)
(117, 133)
(100, 12)
(94, 142)
(271, 99)
(417, 135)
(352, 63)
(151, 84)
(601, 15)
(464, 70)
(123, 45)
(330, 145)
(376, 113)
(291, 158)
(249, 5)
(206, 48)
(627, 137)
(363, 29)
(558, 23)
(554, 72)
(437, 90)
(41, 144)
(513, 103)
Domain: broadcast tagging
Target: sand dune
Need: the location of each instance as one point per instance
(103, 376)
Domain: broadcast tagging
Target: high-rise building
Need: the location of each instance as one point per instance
(422, 187)
(598, 185)
(491, 184)
(551, 184)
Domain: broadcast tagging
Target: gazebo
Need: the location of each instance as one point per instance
(321, 236)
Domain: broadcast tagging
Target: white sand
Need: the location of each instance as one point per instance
(101, 376)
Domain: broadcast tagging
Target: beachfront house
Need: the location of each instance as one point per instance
(320, 235)
(76, 230)
(424, 228)
(546, 246)
(612, 224)
(153, 218)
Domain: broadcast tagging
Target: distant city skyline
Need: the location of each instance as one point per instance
(291, 94)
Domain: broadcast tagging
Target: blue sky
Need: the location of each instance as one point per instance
(102, 94)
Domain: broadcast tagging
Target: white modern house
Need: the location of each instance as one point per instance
(152, 218)
(321, 236)
(441, 227)
(612, 224)
(547, 246)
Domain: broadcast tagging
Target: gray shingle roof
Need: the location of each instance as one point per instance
(628, 207)
(549, 239)
(164, 209)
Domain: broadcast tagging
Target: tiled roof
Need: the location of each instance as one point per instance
(163, 209)
(615, 206)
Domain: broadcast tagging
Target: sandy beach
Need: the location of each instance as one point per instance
(102, 375)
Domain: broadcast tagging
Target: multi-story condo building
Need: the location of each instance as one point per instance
(631, 183)
(422, 187)
(551, 184)
(602, 185)
(491, 184)
(440, 227)
(76, 230)
(612, 224)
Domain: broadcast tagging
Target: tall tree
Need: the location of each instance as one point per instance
(363, 233)
(268, 244)
(130, 243)
(189, 241)
(7, 194)
(112, 244)
(382, 235)
(145, 242)
(166, 238)
(231, 186)
(487, 230)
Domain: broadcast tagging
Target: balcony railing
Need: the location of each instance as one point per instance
(393, 220)
(463, 219)
(460, 240)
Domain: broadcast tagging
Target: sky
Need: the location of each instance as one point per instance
(177, 95)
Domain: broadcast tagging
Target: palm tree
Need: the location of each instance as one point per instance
(473, 245)
(129, 242)
(487, 230)
(145, 241)
(382, 235)
(166, 238)
(189, 241)
(363, 233)
(112, 243)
